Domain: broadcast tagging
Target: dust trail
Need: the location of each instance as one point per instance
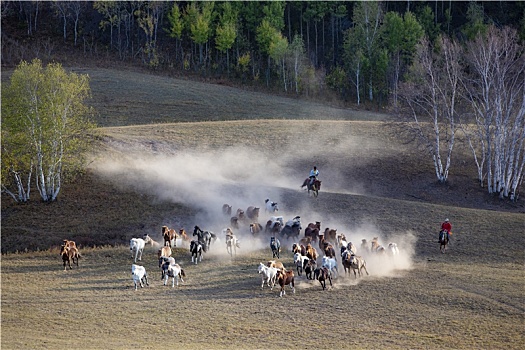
(203, 180)
(242, 177)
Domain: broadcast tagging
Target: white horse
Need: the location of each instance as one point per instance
(271, 207)
(232, 243)
(275, 219)
(330, 264)
(392, 249)
(295, 221)
(357, 263)
(176, 272)
(139, 275)
(268, 274)
(136, 246)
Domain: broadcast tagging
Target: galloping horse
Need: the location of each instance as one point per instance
(204, 237)
(443, 240)
(232, 243)
(315, 187)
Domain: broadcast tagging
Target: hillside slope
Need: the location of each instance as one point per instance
(357, 155)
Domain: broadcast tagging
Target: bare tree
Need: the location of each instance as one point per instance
(76, 8)
(62, 10)
(430, 101)
(495, 90)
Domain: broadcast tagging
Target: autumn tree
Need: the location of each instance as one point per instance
(279, 52)
(176, 25)
(45, 129)
(200, 20)
(431, 97)
(400, 35)
(367, 19)
(226, 31)
(353, 61)
(298, 59)
(496, 95)
(266, 36)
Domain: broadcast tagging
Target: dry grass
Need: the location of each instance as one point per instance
(374, 184)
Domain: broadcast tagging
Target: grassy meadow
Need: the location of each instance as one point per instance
(171, 152)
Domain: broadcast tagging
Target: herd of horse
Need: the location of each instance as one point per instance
(321, 267)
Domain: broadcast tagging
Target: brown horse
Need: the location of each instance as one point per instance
(285, 278)
(315, 187)
(70, 255)
(330, 234)
(169, 236)
(312, 230)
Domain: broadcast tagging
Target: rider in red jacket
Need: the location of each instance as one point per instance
(447, 226)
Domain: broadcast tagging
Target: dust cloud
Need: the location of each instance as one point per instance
(243, 177)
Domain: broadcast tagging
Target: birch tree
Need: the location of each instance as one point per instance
(367, 21)
(353, 61)
(226, 32)
(279, 51)
(495, 90)
(298, 58)
(200, 28)
(431, 97)
(45, 129)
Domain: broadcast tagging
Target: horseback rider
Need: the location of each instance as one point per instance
(314, 173)
(447, 227)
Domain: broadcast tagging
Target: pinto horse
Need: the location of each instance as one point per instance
(443, 241)
(315, 187)
(204, 237)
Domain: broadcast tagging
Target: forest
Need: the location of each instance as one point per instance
(350, 51)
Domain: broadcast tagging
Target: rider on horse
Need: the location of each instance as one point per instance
(314, 173)
(446, 227)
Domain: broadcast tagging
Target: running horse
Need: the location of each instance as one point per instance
(315, 187)
(204, 237)
(443, 240)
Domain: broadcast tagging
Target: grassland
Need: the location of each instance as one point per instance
(172, 151)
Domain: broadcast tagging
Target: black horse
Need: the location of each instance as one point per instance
(293, 230)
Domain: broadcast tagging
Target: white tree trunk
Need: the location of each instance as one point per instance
(496, 92)
(432, 103)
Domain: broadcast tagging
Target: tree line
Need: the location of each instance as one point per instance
(442, 67)
(359, 50)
